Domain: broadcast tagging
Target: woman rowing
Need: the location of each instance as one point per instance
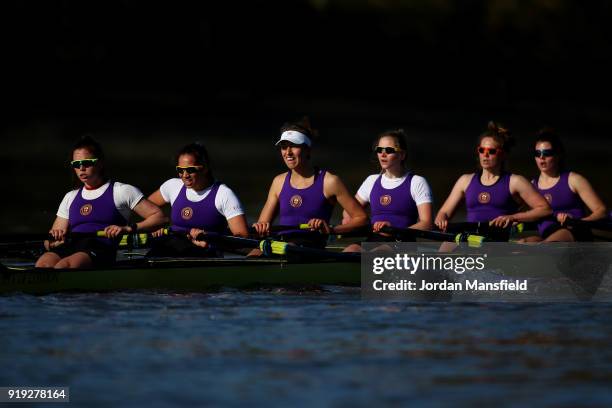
(491, 194)
(567, 192)
(199, 204)
(98, 205)
(306, 194)
(397, 197)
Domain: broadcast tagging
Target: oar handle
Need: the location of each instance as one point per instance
(472, 240)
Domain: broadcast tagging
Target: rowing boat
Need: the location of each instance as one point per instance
(311, 267)
(180, 275)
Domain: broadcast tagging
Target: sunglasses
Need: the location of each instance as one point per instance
(491, 151)
(76, 164)
(188, 169)
(388, 150)
(544, 152)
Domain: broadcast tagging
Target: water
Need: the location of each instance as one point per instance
(279, 348)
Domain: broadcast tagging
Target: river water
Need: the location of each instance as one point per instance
(280, 347)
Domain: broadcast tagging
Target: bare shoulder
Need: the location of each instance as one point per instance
(464, 180)
(518, 178)
(577, 182)
(332, 181)
(277, 182)
(518, 181)
(280, 178)
(574, 177)
(330, 176)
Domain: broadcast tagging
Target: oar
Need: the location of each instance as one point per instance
(129, 239)
(473, 240)
(364, 230)
(483, 228)
(272, 247)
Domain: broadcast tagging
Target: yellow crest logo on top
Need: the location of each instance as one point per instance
(484, 197)
(296, 201)
(187, 213)
(86, 209)
(548, 198)
(385, 200)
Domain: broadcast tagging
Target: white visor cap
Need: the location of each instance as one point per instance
(294, 137)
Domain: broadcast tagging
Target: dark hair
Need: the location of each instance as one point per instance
(200, 154)
(87, 142)
(549, 135)
(400, 139)
(500, 134)
(303, 126)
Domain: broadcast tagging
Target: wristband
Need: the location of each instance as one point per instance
(134, 227)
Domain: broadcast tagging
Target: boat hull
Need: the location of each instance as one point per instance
(181, 276)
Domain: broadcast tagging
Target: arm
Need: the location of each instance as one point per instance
(334, 187)
(270, 208)
(157, 199)
(238, 226)
(452, 201)
(58, 232)
(346, 218)
(425, 217)
(539, 207)
(588, 195)
(152, 215)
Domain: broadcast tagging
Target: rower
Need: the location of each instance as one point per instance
(492, 194)
(98, 204)
(396, 196)
(567, 192)
(306, 194)
(199, 204)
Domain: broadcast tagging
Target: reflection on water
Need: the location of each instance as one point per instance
(289, 347)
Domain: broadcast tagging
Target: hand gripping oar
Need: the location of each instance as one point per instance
(134, 240)
(271, 247)
(472, 240)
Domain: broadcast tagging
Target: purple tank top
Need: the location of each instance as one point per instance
(562, 200)
(298, 206)
(203, 214)
(484, 203)
(395, 205)
(94, 215)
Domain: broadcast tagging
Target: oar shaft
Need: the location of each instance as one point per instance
(483, 228)
(269, 247)
(471, 239)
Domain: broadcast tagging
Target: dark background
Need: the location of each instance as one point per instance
(147, 77)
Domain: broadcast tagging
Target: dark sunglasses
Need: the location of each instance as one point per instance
(188, 169)
(388, 150)
(491, 151)
(76, 164)
(544, 152)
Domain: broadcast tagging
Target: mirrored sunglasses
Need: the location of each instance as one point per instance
(388, 150)
(544, 152)
(188, 169)
(491, 151)
(76, 164)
